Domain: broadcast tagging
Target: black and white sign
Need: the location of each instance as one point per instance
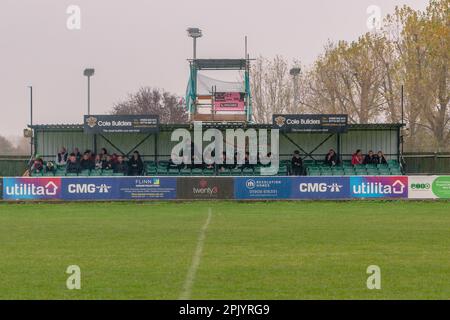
(320, 123)
(121, 123)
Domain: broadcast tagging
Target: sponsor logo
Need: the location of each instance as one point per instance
(31, 188)
(280, 121)
(88, 188)
(250, 184)
(320, 187)
(145, 182)
(203, 188)
(91, 121)
(441, 187)
(379, 187)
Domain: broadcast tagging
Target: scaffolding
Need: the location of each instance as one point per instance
(201, 99)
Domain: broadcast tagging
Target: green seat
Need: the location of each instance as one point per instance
(185, 171)
(208, 172)
(197, 172)
(224, 172)
(118, 174)
(95, 173)
(49, 174)
(107, 173)
(248, 171)
(173, 171)
(37, 174)
(236, 171)
(85, 172)
(70, 174)
(151, 170)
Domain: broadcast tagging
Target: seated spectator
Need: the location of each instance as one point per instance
(381, 158)
(86, 162)
(370, 158)
(103, 153)
(77, 153)
(98, 163)
(73, 165)
(107, 163)
(357, 158)
(50, 167)
(297, 164)
(331, 158)
(61, 157)
(37, 165)
(120, 166)
(135, 164)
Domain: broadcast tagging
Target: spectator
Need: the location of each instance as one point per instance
(297, 164)
(120, 166)
(98, 163)
(73, 165)
(135, 164)
(107, 163)
(381, 158)
(77, 153)
(357, 158)
(86, 162)
(103, 153)
(37, 165)
(331, 158)
(61, 158)
(50, 167)
(370, 158)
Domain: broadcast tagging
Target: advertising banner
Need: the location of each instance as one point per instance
(1, 188)
(25, 188)
(320, 188)
(262, 188)
(229, 101)
(90, 188)
(429, 187)
(121, 123)
(148, 188)
(205, 188)
(379, 187)
(320, 123)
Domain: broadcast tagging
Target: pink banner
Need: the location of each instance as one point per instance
(229, 101)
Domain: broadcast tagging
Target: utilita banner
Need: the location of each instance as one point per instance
(121, 123)
(216, 188)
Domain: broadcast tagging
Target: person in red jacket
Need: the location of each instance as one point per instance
(357, 158)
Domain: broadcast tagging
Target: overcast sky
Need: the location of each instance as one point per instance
(138, 43)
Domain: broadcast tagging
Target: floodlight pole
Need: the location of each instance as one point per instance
(294, 72)
(31, 120)
(89, 73)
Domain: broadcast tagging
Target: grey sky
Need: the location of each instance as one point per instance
(135, 43)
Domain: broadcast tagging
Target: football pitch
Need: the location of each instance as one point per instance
(225, 250)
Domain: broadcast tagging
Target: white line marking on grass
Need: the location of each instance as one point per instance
(189, 282)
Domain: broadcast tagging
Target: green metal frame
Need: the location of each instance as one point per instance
(218, 64)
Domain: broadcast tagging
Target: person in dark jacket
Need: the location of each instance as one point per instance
(73, 166)
(86, 162)
(135, 164)
(120, 166)
(370, 158)
(107, 164)
(37, 165)
(331, 158)
(297, 164)
(381, 158)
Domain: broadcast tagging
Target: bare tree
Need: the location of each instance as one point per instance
(154, 101)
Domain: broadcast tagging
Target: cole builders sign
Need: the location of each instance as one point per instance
(121, 123)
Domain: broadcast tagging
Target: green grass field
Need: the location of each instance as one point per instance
(276, 250)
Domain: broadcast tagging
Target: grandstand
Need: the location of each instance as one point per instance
(155, 149)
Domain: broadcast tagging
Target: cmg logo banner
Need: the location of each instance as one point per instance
(90, 188)
(25, 188)
(320, 188)
(379, 187)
